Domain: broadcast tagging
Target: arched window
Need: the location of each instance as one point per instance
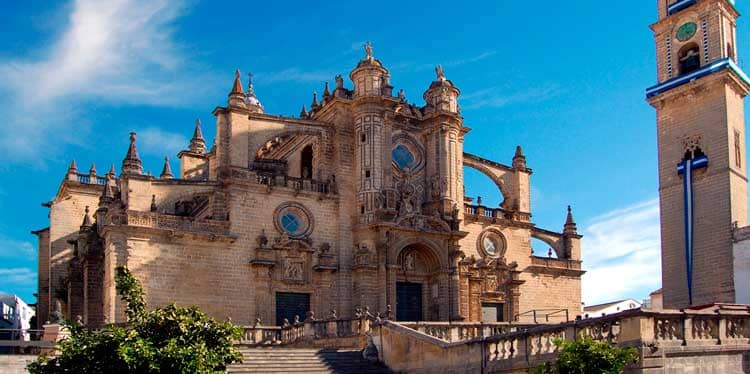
(690, 58)
(306, 162)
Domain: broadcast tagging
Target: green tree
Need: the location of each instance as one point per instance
(164, 340)
(587, 356)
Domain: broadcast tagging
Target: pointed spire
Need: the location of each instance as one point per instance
(519, 160)
(570, 223)
(166, 172)
(237, 86)
(109, 185)
(72, 171)
(92, 169)
(237, 95)
(108, 195)
(197, 143)
(326, 91)
(132, 162)
(303, 113)
(86, 218)
(314, 104)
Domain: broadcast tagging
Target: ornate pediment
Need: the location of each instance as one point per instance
(423, 223)
(285, 242)
(497, 277)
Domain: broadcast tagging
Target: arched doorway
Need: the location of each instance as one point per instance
(420, 285)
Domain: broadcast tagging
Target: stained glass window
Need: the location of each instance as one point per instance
(402, 156)
(489, 246)
(291, 223)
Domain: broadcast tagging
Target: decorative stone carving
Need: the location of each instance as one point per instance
(262, 239)
(364, 256)
(499, 280)
(424, 223)
(409, 261)
(293, 270)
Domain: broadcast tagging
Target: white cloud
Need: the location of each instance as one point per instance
(17, 277)
(16, 249)
(621, 252)
(114, 51)
(499, 96)
(155, 141)
(415, 67)
(294, 75)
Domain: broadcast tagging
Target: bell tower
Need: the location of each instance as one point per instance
(701, 148)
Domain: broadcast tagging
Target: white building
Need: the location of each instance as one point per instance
(610, 308)
(15, 314)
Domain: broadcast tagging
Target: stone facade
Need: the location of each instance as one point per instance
(700, 116)
(358, 202)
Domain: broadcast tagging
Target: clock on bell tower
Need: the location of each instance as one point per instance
(701, 149)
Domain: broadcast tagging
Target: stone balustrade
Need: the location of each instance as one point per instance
(276, 180)
(90, 179)
(167, 221)
(460, 331)
(561, 263)
(310, 330)
(669, 339)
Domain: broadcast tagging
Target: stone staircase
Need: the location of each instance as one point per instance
(304, 360)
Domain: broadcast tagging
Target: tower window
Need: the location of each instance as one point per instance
(306, 162)
(363, 138)
(367, 173)
(690, 59)
(730, 51)
(737, 149)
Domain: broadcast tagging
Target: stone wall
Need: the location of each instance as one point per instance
(15, 364)
(43, 290)
(66, 215)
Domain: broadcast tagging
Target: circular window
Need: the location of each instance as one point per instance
(407, 153)
(403, 157)
(492, 243)
(293, 219)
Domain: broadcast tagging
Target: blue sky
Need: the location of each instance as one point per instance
(566, 81)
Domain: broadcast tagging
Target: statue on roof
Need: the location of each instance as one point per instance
(440, 73)
(368, 51)
(339, 82)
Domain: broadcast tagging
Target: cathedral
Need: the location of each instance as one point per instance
(358, 202)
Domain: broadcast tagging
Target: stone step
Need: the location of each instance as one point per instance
(313, 371)
(307, 370)
(303, 360)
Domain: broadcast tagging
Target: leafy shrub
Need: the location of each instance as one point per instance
(587, 356)
(164, 340)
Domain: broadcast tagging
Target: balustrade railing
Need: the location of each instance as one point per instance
(167, 221)
(460, 331)
(512, 345)
(86, 179)
(22, 341)
(629, 328)
(297, 184)
(483, 211)
(310, 329)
